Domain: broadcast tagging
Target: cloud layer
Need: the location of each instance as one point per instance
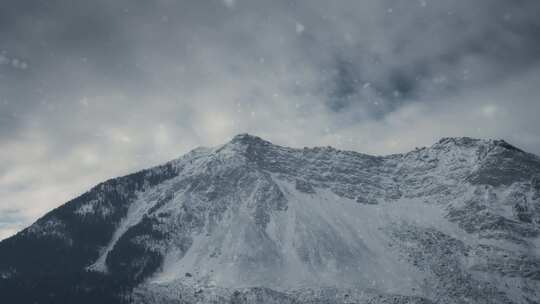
(94, 89)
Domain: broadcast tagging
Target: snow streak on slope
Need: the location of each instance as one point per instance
(144, 202)
(135, 213)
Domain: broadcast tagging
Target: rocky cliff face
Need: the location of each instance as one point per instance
(252, 222)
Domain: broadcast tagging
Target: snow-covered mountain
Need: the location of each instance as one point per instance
(253, 222)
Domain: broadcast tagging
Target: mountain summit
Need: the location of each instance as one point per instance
(253, 222)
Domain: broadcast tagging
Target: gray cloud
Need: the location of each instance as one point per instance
(95, 89)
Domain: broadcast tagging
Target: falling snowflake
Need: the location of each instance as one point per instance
(299, 28)
(229, 3)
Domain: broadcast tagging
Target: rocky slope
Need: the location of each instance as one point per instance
(252, 222)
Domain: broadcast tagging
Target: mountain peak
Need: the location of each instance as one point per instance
(504, 144)
(474, 142)
(245, 143)
(243, 147)
(245, 138)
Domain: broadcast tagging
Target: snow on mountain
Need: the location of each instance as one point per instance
(253, 222)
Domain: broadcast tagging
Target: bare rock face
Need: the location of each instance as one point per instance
(252, 222)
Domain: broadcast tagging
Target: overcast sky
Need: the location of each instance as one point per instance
(95, 89)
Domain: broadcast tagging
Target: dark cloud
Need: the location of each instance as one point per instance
(94, 89)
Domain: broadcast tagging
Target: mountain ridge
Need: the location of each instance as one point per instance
(221, 223)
